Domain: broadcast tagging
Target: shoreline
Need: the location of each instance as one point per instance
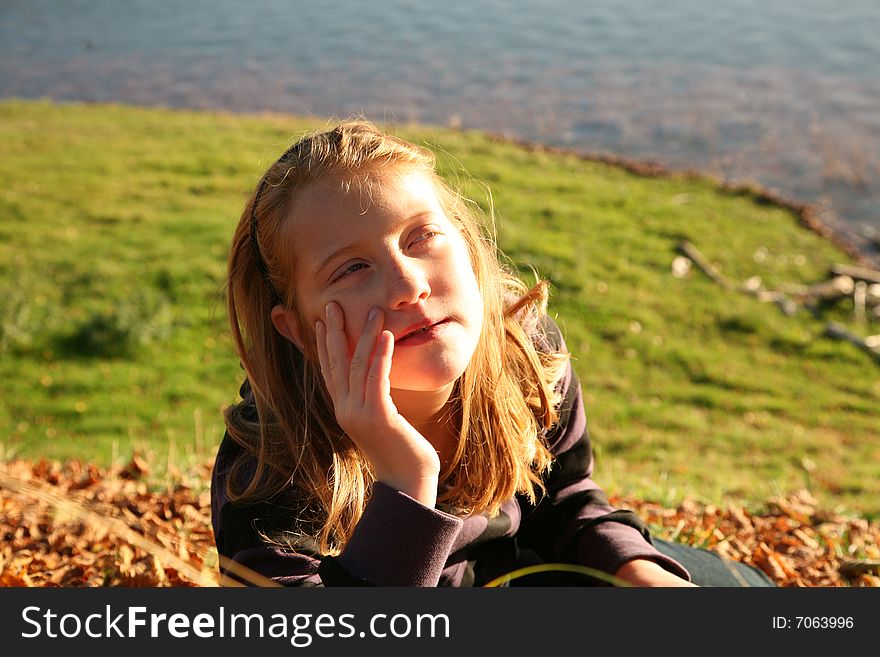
(810, 215)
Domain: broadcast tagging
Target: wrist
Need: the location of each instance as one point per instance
(421, 489)
(644, 572)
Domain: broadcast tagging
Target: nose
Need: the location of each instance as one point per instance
(408, 283)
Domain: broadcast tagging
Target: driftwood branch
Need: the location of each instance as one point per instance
(752, 286)
(856, 273)
(860, 295)
(838, 332)
(847, 281)
(862, 284)
(689, 250)
(830, 290)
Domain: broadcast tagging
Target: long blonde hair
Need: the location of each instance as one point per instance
(506, 398)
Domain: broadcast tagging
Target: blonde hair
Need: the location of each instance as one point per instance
(506, 398)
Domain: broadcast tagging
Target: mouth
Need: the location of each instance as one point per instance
(420, 329)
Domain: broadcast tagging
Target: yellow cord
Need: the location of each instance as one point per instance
(557, 567)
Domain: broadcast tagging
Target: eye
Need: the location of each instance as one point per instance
(423, 238)
(350, 269)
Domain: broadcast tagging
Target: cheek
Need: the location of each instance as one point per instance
(309, 318)
(469, 288)
(306, 328)
(458, 270)
(355, 318)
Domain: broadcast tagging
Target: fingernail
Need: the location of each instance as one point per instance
(373, 313)
(327, 309)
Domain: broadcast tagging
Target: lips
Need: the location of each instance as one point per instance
(417, 328)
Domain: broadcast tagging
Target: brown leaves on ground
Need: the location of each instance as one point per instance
(792, 540)
(76, 525)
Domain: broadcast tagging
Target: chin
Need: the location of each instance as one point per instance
(426, 379)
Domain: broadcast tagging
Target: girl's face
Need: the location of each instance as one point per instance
(392, 248)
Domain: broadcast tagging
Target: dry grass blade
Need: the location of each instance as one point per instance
(245, 574)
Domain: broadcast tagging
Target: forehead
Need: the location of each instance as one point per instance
(345, 197)
(337, 208)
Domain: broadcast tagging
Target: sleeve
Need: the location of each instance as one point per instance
(574, 522)
(397, 542)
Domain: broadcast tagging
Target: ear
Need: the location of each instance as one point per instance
(286, 324)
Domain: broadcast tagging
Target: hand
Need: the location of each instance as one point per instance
(643, 572)
(360, 388)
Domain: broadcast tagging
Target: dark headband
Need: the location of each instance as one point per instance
(255, 242)
(255, 246)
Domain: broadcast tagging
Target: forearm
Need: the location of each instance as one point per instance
(399, 541)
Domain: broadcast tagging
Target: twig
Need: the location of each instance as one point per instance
(838, 332)
(859, 295)
(830, 290)
(752, 286)
(856, 273)
(689, 250)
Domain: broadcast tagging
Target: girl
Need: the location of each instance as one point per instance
(409, 416)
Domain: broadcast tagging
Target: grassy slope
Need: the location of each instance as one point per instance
(114, 224)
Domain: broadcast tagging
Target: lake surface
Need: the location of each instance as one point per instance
(780, 92)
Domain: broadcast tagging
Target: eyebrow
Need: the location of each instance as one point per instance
(344, 250)
(354, 247)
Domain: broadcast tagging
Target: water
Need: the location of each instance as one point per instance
(784, 93)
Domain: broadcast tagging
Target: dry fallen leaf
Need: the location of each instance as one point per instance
(76, 525)
(793, 541)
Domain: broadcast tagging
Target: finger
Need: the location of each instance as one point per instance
(323, 358)
(363, 354)
(378, 389)
(337, 351)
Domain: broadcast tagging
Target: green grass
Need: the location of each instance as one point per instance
(114, 228)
